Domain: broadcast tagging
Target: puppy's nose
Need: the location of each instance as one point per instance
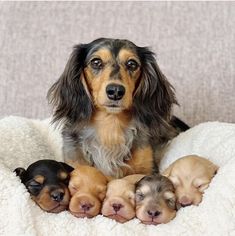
(185, 201)
(57, 196)
(86, 206)
(153, 213)
(117, 207)
(115, 91)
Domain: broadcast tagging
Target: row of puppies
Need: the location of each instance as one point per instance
(86, 192)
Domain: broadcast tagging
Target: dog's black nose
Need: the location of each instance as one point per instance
(115, 91)
(153, 213)
(57, 196)
(86, 206)
(117, 207)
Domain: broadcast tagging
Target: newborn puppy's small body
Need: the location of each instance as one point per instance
(119, 203)
(155, 200)
(191, 175)
(88, 188)
(47, 183)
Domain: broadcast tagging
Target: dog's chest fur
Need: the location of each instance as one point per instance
(108, 147)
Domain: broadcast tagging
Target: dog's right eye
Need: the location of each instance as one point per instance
(139, 196)
(96, 63)
(132, 65)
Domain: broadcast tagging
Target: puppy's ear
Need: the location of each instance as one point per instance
(215, 169)
(170, 199)
(20, 172)
(67, 167)
(167, 172)
(69, 95)
(154, 96)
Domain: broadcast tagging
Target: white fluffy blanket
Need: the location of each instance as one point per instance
(23, 141)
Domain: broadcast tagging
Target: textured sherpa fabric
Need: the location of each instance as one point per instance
(23, 141)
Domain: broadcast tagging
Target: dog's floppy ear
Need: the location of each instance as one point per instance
(67, 167)
(20, 172)
(69, 94)
(154, 96)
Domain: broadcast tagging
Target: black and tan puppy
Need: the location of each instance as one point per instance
(155, 200)
(47, 183)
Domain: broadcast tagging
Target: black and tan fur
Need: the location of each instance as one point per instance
(114, 105)
(47, 182)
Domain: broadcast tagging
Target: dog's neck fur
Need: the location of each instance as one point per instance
(107, 141)
(111, 128)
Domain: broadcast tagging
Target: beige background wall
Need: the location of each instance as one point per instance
(194, 42)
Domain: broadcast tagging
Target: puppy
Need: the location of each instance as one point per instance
(114, 104)
(87, 186)
(47, 183)
(119, 203)
(191, 175)
(155, 200)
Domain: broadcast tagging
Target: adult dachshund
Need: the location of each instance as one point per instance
(114, 105)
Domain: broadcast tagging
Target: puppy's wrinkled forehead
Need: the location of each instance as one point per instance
(110, 47)
(154, 184)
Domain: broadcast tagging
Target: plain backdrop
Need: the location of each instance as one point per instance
(194, 43)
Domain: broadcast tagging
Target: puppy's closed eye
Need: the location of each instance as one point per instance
(73, 188)
(131, 195)
(170, 199)
(139, 196)
(34, 187)
(202, 187)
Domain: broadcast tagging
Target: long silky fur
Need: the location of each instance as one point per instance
(68, 95)
(154, 98)
(151, 110)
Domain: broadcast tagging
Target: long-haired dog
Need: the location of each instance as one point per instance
(114, 105)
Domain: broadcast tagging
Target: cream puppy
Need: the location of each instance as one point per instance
(87, 187)
(119, 203)
(191, 175)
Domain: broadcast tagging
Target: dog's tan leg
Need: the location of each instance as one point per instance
(141, 161)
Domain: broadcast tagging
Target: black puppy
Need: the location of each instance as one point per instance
(47, 183)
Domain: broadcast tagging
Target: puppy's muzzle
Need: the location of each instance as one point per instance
(115, 91)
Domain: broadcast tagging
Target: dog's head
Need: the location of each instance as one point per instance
(87, 186)
(191, 176)
(119, 203)
(155, 200)
(114, 76)
(47, 183)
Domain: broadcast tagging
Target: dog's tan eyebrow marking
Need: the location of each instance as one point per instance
(62, 175)
(39, 178)
(103, 53)
(125, 54)
(144, 189)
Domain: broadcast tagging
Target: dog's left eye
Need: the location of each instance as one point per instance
(96, 63)
(132, 65)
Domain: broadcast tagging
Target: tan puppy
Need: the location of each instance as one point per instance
(191, 175)
(155, 200)
(119, 203)
(87, 186)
